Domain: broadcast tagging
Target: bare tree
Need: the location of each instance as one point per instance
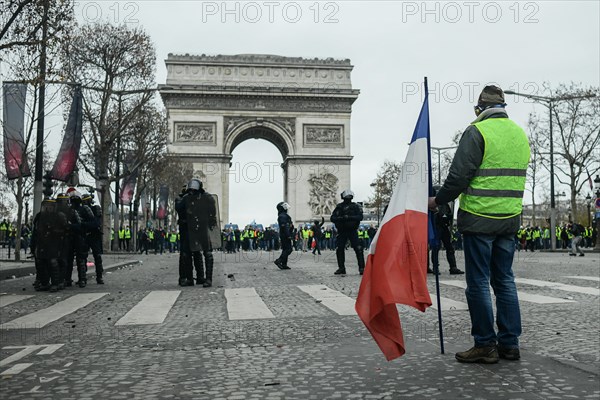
(384, 183)
(116, 66)
(21, 22)
(576, 117)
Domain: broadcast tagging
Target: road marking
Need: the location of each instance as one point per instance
(527, 297)
(337, 302)
(50, 349)
(46, 349)
(12, 298)
(587, 278)
(17, 368)
(45, 316)
(448, 304)
(245, 303)
(17, 356)
(560, 286)
(152, 309)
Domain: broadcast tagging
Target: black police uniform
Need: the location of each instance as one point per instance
(197, 212)
(443, 221)
(79, 244)
(285, 235)
(347, 216)
(94, 239)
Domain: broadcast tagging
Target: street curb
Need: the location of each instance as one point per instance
(26, 271)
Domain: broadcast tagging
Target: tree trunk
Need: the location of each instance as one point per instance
(105, 202)
(19, 198)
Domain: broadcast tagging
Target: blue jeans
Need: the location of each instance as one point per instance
(488, 260)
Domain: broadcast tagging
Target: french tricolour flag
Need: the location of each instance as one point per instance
(396, 270)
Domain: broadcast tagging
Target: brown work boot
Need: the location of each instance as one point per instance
(481, 355)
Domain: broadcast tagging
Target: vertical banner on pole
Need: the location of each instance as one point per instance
(69, 150)
(163, 198)
(128, 187)
(15, 158)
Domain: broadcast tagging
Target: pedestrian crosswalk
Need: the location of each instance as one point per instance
(155, 307)
(245, 303)
(12, 298)
(43, 317)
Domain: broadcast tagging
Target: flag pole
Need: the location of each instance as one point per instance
(435, 267)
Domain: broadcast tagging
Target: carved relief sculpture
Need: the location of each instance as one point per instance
(322, 193)
(203, 132)
(323, 134)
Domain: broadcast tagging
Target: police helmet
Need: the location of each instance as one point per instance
(88, 197)
(348, 194)
(73, 193)
(62, 198)
(283, 206)
(194, 184)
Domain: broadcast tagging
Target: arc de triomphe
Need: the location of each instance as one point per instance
(302, 106)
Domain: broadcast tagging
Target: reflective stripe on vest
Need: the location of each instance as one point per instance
(496, 190)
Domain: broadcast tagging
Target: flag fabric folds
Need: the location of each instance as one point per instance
(15, 158)
(396, 268)
(128, 187)
(69, 150)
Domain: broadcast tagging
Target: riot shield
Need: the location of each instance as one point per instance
(51, 228)
(202, 221)
(214, 226)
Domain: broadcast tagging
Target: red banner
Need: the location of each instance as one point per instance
(69, 150)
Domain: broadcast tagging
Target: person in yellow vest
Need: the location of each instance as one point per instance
(127, 236)
(488, 173)
(4, 232)
(304, 234)
(546, 238)
(121, 238)
(172, 241)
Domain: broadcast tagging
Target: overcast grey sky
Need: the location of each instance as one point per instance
(460, 46)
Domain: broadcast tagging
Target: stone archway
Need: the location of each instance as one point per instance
(302, 106)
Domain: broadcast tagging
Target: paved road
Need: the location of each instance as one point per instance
(265, 333)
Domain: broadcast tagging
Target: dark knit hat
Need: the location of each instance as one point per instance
(491, 95)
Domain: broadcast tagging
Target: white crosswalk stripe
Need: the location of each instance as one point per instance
(448, 304)
(560, 286)
(43, 317)
(528, 297)
(337, 302)
(16, 369)
(12, 298)
(586, 278)
(152, 309)
(245, 303)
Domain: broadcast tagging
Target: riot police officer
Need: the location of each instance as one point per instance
(79, 244)
(347, 216)
(199, 213)
(285, 234)
(94, 235)
(443, 219)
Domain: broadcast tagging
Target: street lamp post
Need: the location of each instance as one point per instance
(439, 151)
(548, 102)
(589, 204)
(375, 185)
(26, 199)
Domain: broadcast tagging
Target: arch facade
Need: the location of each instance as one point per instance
(302, 106)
